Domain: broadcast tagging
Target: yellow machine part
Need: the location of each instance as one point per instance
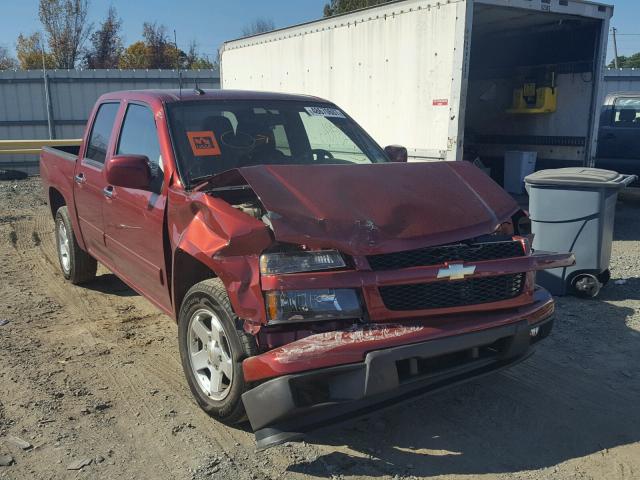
(546, 101)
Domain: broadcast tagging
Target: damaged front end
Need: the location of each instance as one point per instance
(375, 366)
(365, 284)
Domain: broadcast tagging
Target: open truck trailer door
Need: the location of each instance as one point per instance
(535, 72)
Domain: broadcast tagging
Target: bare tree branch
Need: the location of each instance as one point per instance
(66, 27)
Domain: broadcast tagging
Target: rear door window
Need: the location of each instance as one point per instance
(101, 132)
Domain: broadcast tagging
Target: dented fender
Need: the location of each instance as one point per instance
(226, 241)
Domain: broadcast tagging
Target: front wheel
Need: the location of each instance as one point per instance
(212, 348)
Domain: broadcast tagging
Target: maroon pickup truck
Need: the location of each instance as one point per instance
(313, 275)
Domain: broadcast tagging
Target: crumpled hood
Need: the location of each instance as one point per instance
(378, 208)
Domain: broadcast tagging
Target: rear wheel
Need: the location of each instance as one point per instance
(77, 265)
(212, 348)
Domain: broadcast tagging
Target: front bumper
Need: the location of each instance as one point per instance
(283, 408)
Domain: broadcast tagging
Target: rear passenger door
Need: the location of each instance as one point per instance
(134, 217)
(89, 179)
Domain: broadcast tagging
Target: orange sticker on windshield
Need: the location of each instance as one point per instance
(204, 144)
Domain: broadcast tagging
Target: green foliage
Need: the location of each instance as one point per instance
(632, 61)
(337, 7)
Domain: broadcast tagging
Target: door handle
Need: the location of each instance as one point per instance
(108, 191)
(80, 178)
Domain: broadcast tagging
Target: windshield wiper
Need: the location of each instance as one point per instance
(196, 181)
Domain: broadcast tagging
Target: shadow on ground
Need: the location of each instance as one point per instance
(578, 395)
(109, 284)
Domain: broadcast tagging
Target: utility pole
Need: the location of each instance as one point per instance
(175, 43)
(47, 96)
(615, 47)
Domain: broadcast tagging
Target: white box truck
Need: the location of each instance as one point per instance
(449, 78)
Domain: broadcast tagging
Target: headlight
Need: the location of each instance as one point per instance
(309, 305)
(300, 261)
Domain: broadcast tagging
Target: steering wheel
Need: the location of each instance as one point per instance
(321, 154)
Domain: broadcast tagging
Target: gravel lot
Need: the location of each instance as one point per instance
(91, 387)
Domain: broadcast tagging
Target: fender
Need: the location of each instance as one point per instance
(227, 242)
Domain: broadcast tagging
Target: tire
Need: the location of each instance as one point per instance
(604, 277)
(77, 265)
(208, 353)
(586, 285)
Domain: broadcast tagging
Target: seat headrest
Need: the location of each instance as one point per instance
(627, 115)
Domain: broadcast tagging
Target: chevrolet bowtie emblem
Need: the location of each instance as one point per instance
(457, 271)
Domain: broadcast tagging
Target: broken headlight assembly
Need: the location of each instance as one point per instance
(313, 305)
(300, 261)
(520, 224)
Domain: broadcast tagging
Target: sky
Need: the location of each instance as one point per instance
(211, 22)
(208, 22)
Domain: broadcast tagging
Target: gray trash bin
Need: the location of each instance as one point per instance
(573, 210)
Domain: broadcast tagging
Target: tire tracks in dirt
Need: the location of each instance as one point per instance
(157, 370)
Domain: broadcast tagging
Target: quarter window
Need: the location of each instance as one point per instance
(101, 132)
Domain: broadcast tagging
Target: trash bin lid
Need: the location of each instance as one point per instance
(578, 177)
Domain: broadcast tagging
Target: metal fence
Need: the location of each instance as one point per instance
(35, 106)
(621, 80)
(56, 105)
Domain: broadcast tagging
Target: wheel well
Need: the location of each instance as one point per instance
(56, 200)
(187, 271)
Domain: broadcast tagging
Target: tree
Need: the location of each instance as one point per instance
(201, 63)
(337, 7)
(259, 25)
(106, 43)
(157, 51)
(632, 61)
(194, 61)
(65, 23)
(30, 50)
(135, 55)
(162, 53)
(6, 60)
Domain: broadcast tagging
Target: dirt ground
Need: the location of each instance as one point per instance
(91, 376)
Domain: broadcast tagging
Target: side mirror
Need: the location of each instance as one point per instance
(397, 153)
(129, 171)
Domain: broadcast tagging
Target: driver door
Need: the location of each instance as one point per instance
(134, 217)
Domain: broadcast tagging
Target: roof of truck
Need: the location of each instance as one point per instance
(190, 94)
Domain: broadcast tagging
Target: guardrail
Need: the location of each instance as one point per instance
(26, 147)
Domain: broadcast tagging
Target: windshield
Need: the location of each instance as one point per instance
(212, 137)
